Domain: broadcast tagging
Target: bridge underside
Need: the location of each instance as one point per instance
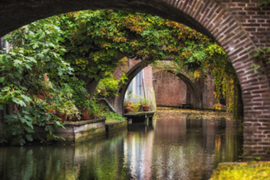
(206, 16)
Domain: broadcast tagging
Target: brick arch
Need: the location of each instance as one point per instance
(206, 16)
(195, 93)
(117, 101)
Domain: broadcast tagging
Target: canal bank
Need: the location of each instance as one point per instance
(77, 132)
(112, 126)
(243, 170)
(174, 146)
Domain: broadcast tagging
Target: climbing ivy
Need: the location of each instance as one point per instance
(35, 53)
(225, 79)
(96, 40)
(262, 56)
(88, 44)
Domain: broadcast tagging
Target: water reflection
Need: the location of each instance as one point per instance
(138, 150)
(101, 159)
(181, 147)
(175, 146)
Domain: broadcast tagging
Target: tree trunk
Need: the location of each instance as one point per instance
(92, 85)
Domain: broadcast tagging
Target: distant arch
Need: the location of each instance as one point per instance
(206, 16)
(117, 101)
(195, 93)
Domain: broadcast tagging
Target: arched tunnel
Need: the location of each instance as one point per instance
(206, 16)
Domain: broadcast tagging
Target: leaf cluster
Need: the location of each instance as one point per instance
(96, 40)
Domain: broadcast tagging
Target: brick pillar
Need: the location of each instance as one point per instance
(188, 96)
(150, 93)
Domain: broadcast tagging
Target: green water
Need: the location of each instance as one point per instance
(174, 146)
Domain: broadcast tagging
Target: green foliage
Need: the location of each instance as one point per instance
(96, 40)
(77, 88)
(135, 107)
(92, 107)
(262, 56)
(76, 48)
(126, 103)
(145, 102)
(36, 53)
(115, 116)
(129, 94)
(225, 79)
(18, 127)
(253, 170)
(263, 2)
(108, 85)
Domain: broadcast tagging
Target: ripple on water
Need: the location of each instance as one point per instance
(178, 145)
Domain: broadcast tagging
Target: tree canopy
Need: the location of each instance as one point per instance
(96, 40)
(52, 62)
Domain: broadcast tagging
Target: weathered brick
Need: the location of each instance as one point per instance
(234, 24)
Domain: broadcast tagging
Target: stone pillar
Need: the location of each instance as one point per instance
(149, 89)
(207, 89)
(188, 96)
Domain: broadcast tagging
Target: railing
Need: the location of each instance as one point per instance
(107, 102)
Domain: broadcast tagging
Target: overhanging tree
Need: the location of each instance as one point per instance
(96, 40)
(87, 44)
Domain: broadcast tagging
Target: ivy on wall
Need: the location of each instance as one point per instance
(84, 46)
(225, 79)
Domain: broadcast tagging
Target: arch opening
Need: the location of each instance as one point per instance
(203, 15)
(183, 94)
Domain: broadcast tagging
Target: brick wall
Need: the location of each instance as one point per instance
(255, 20)
(237, 25)
(169, 89)
(125, 67)
(148, 79)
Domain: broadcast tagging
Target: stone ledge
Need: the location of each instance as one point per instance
(113, 126)
(76, 132)
(82, 122)
(141, 116)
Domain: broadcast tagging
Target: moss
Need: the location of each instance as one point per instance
(243, 171)
(113, 125)
(91, 135)
(110, 121)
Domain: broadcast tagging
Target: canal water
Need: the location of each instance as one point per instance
(177, 145)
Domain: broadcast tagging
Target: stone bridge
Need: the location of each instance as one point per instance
(237, 25)
(200, 93)
(196, 97)
(132, 70)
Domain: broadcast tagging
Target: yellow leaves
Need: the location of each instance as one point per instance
(173, 24)
(215, 94)
(70, 14)
(122, 62)
(135, 23)
(171, 48)
(119, 39)
(110, 11)
(196, 74)
(150, 20)
(139, 53)
(218, 106)
(244, 171)
(180, 35)
(81, 63)
(106, 45)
